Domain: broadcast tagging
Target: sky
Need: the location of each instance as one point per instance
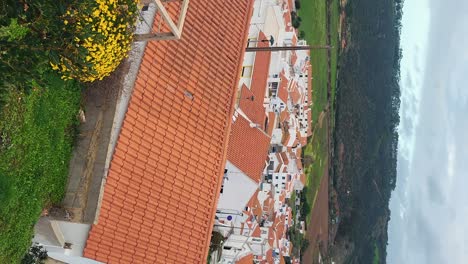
(429, 207)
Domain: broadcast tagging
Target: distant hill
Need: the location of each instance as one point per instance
(366, 139)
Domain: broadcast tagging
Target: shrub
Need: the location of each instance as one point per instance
(309, 159)
(296, 20)
(36, 255)
(297, 3)
(81, 39)
(101, 33)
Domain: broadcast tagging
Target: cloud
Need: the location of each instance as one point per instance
(429, 205)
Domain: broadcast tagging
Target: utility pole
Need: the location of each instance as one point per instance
(257, 49)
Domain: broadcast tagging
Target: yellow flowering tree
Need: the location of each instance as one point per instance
(100, 33)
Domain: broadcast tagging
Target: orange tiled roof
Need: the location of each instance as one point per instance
(303, 179)
(284, 158)
(309, 83)
(282, 261)
(248, 148)
(254, 109)
(295, 94)
(246, 260)
(279, 228)
(255, 206)
(299, 153)
(287, 19)
(256, 232)
(299, 164)
(271, 235)
(160, 194)
(294, 40)
(252, 106)
(284, 115)
(269, 256)
(271, 123)
(283, 87)
(293, 54)
(302, 140)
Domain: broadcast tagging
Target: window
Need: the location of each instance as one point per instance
(276, 177)
(252, 42)
(283, 178)
(246, 71)
(273, 85)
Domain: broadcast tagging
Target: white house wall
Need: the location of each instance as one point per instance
(238, 188)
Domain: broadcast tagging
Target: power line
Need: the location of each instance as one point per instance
(280, 48)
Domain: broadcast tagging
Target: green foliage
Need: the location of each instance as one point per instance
(14, 31)
(216, 241)
(306, 207)
(366, 128)
(36, 255)
(297, 239)
(292, 204)
(36, 129)
(297, 3)
(314, 26)
(376, 259)
(295, 20)
(35, 35)
(305, 245)
(302, 34)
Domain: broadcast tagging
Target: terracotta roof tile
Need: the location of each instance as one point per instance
(293, 53)
(284, 158)
(287, 19)
(252, 106)
(256, 232)
(284, 115)
(294, 40)
(248, 148)
(160, 197)
(283, 87)
(245, 260)
(309, 83)
(272, 119)
(251, 101)
(309, 120)
(295, 94)
(255, 206)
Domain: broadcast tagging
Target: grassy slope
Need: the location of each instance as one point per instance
(37, 133)
(313, 14)
(376, 259)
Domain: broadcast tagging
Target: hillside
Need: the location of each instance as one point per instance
(365, 138)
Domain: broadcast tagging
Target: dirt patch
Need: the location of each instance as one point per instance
(317, 231)
(321, 117)
(341, 152)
